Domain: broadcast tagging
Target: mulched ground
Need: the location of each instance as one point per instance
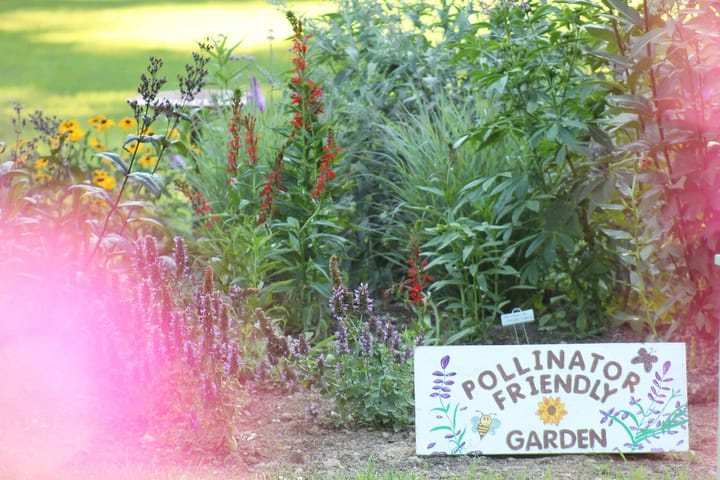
(44, 436)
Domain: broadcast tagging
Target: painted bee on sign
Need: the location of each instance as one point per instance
(485, 424)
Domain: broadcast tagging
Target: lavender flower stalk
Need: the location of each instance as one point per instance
(255, 94)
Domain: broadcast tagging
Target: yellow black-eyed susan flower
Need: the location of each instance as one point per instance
(95, 144)
(127, 123)
(148, 161)
(103, 179)
(43, 170)
(101, 123)
(71, 128)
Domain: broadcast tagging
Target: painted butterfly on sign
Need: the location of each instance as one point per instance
(646, 358)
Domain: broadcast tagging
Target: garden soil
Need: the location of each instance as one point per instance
(304, 446)
(291, 437)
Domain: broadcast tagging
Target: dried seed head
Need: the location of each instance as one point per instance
(181, 258)
(335, 275)
(207, 287)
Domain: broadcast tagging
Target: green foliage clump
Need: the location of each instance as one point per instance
(547, 103)
(269, 174)
(366, 368)
(558, 156)
(664, 100)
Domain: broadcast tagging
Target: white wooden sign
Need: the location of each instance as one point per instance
(541, 399)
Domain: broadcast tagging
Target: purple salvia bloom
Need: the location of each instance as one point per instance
(255, 94)
(420, 338)
(338, 307)
(294, 346)
(366, 341)
(393, 339)
(403, 356)
(376, 324)
(385, 332)
(362, 300)
(341, 339)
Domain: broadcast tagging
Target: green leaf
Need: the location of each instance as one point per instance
(649, 37)
(154, 139)
(148, 221)
(293, 223)
(617, 234)
(600, 31)
(498, 86)
(459, 142)
(628, 13)
(151, 181)
(433, 190)
(115, 159)
(635, 103)
(135, 204)
(353, 53)
(552, 132)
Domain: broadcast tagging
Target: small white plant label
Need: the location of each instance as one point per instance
(517, 316)
(541, 399)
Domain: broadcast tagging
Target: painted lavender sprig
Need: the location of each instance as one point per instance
(442, 388)
(652, 420)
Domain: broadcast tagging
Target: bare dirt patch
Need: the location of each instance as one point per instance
(290, 436)
(308, 449)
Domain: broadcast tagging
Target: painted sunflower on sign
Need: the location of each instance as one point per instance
(551, 410)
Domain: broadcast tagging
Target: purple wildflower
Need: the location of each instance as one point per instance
(366, 341)
(420, 338)
(255, 94)
(376, 324)
(363, 302)
(247, 58)
(338, 307)
(178, 160)
(341, 339)
(393, 339)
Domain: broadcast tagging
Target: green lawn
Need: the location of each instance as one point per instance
(80, 58)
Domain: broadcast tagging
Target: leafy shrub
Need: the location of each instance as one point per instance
(269, 179)
(174, 352)
(664, 66)
(380, 63)
(548, 103)
(367, 367)
(460, 207)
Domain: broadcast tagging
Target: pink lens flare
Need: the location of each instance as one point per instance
(51, 402)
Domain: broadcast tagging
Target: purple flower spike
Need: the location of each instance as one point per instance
(255, 94)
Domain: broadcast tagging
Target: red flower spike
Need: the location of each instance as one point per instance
(416, 277)
(331, 151)
(235, 123)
